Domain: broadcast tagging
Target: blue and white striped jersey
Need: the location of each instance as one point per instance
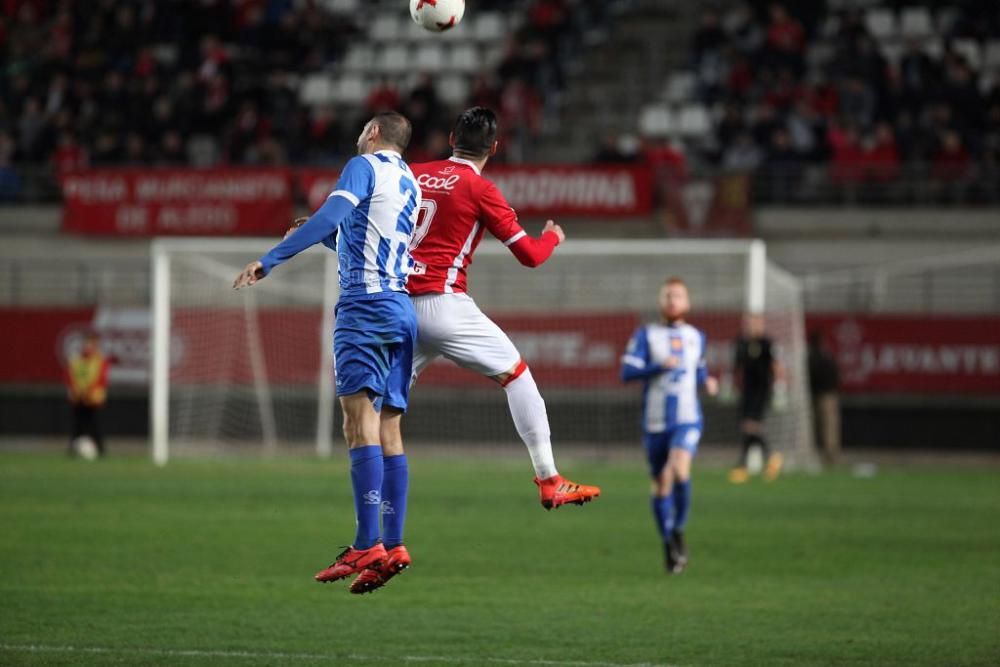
(373, 241)
(670, 394)
(368, 219)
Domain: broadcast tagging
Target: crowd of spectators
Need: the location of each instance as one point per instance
(203, 82)
(792, 85)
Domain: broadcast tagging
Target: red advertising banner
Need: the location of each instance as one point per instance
(875, 354)
(541, 190)
(316, 184)
(147, 202)
(914, 355)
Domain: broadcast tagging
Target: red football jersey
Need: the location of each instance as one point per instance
(458, 206)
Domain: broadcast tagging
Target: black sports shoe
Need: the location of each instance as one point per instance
(677, 552)
(669, 556)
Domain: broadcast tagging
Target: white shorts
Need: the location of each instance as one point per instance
(452, 326)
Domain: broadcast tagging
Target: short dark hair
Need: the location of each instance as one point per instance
(475, 132)
(394, 128)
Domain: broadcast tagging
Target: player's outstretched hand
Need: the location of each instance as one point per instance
(712, 386)
(253, 272)
(551, 226)
(298, 222)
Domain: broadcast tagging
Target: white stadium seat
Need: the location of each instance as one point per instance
(394, 59)
(453, 89)
(694, 122)
(680, 87)
(656, 121)
(430, 57)
(385, 28)
(915, 22)
(490, 27)
(991, 55)
(969, 49)
(343, 6)
(881, 23)
(317, 89)
(465, 58)
(351, 89)
(359, 58)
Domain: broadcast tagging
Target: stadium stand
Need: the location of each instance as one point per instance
(259, 82)
(880, 102)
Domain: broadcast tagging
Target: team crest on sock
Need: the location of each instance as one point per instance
(373, 497)
(387, 507)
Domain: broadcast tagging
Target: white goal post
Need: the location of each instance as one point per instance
(252, 371)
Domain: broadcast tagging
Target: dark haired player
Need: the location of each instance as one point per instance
(457, 208)
(757, 367)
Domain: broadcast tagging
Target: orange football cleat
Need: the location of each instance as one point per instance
(557, 490)
(397, 560)
(352, 560)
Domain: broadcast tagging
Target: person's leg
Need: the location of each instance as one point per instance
(660, 499)
(527, 409)
(829, 426)
(395, 479)
(95, 429)
(682, 450)
(76, 428)
(473, 341)
(361, 430)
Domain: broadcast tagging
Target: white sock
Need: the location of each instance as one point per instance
(527, 408)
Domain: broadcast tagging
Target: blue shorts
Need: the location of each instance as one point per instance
(658, 445)
(373, 341)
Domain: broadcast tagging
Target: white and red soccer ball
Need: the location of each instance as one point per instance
(437, 15)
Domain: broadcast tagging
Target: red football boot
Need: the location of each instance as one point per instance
(352, 560)
(397, 560)
(557, 490)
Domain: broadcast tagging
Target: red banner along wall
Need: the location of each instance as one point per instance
(152, 202)
(876, 354)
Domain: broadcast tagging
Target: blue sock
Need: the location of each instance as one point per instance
(682, 503)
(663, 512)
(395, 484)
(366, 478)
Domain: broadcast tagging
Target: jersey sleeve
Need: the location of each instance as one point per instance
(702, 370)
(636, 364)
(356, 182)
(321, 227)
(498, 216)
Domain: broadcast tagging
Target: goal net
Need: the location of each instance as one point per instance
(250, 371)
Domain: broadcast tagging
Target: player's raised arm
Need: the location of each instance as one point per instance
(501, 220)
(636, 362)
(355, 185)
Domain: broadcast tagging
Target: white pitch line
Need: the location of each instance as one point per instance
(197, 653)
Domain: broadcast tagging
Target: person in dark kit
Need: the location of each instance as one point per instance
(824, 381)
(87, 386)
(756, 368)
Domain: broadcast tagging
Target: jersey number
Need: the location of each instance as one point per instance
(425, 216)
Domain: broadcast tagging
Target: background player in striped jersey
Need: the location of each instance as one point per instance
(669, 358)
(368, 219)
(457, 208)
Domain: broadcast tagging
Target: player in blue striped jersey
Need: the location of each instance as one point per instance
(669, 358)
(368, 219)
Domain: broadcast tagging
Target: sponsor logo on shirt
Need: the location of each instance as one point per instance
(438, 182)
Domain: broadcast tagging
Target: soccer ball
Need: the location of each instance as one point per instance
(85, 448)
(437, 15)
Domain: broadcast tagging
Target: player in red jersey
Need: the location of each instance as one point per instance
(457, 208)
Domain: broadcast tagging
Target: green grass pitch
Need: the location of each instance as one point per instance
(211, 563)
